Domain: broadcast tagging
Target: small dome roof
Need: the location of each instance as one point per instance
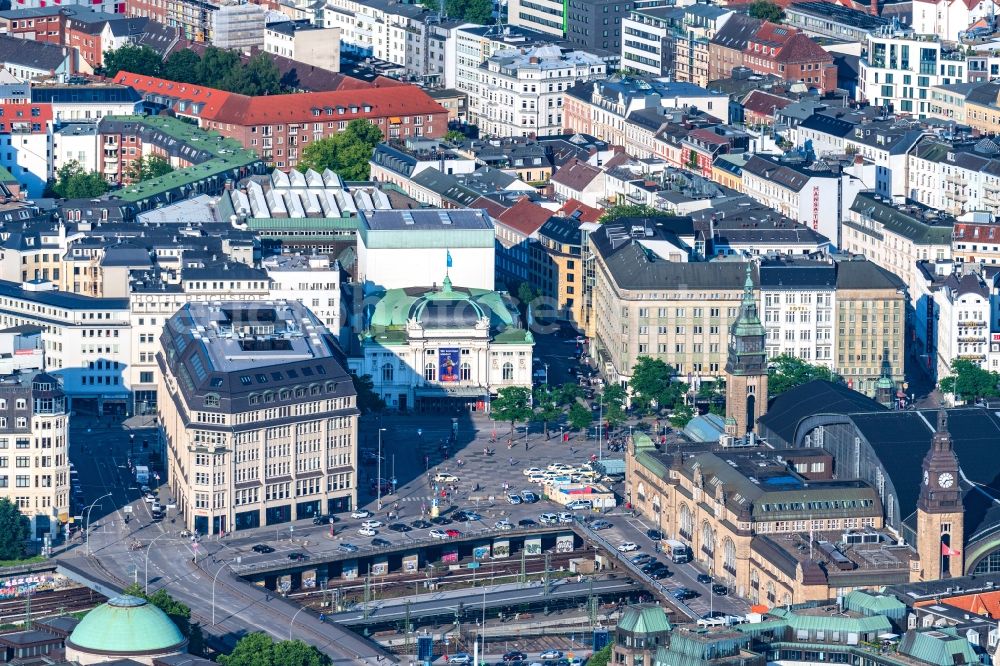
(127, 625)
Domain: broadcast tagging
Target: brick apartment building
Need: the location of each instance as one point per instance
(278, 127)
(791, 55)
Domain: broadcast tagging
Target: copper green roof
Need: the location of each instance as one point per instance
(870, 603)
(127, 625)
(878, 624)
(644, 619)
(941, 647)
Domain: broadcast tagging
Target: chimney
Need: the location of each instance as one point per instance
(873, 8)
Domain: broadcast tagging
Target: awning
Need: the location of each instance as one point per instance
(395, 120)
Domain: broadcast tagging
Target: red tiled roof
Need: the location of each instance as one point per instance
(708, 136)
(576, 175)
(492, 207)
(582, 211)
(525, 217)
(983, 603)
(801, 48)
(384, 100)
(764, 103)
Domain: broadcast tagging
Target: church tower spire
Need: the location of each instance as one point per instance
(746, 365)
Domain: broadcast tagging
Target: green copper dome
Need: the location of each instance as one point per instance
(127, 625)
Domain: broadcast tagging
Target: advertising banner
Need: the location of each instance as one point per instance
(449, 359)
(411, 563)
(449, 556)
(481, 551)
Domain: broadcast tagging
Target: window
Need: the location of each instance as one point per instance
(508, 371)
(465, 372)
(211, 400)
(387, 372)
(430, 372)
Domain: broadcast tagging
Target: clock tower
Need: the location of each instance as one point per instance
(746, 366)
(940, 531)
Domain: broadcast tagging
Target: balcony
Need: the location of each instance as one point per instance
(972, 323)
(954, 178)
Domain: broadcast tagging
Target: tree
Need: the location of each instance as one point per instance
(569, 393)
(766, 10)
(579, 416)
(259, 649)
(147, 168)
(454, 136)
(260, 76)
(14, 530)
(680, 415)
(512, 404)
(547, 406)
(631, 210)
(786, 372)
(134, 59)
(368, 399)
(182, 66)
(652, 385)
(614, 397)
(215, 66)
(72, 182)
(346, 153)
(474, 11)
(970, 382)
(601, 658)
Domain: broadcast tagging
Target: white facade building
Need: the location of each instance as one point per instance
(949, 20)
(520, 92)
(311, 280)
(301, 41)
(238, 26)
(799, 299)
(403, 248)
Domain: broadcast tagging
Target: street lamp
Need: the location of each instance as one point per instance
(291, 625)
(600, 429)
(131, 447)
(86, 519)
(215, 578)
(149, 548)
(546, 373)
(378, 478)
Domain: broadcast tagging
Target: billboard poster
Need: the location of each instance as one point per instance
(450, 556)
(349, 569)
(481, 551)
(309, 579)
(449, 359)
(380, 566)
(533, 546)
(564, 543)
(501, 548)
(411, 563)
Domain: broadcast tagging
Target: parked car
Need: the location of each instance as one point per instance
(372, 524)
(361, 513)
(720, 590)
(460, 658)
(399, 527)
(705, 579)
(503, 525)
(683, 594)
(528, 471)
(367, 531)
(551, 654)
(514, 498)
(297, 557)
(442, 520)
(514, 655)
(565, 517)
(580, 505)
(262, 548)
(443, 477)
(659, 573)
(453, 534)
(627, 547)
(379, 542)
(655, 535)
(529, 496)
(548, 519)
(600, 525)
(348, 548)
(323, 520)
(526, 522)
(420, 524)
(438, 534)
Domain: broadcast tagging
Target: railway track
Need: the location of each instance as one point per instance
(49, 602)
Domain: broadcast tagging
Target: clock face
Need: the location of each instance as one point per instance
(927, 477)
(945, 480)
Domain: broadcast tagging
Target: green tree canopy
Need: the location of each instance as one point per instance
(260, 76)
(147, 168)
(969, 382)
(786, 372)
(601, 658)
(548, 406)
(14, 529)
(569, 393)
(132, 58)
(652, 385)
(259, 649)
(368, 399)
(72, 182)
(614, 397)
(580, 417)
(346, 153)
(512, 404)
(474, 11)
(182, 66)
(766, 10)
(631, 210)
(454, 135)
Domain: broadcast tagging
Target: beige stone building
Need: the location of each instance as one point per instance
(259, 416)
(648, 300)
